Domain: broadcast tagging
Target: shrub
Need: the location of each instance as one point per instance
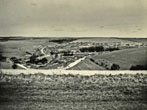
(14, 66)
(112, 49)
(115, 67)
(2, 58)
(92, 60)
(138, 67)
(92, 49)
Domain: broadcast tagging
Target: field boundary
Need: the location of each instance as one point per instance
(74, 72)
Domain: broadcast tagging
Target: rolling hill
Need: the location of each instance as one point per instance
(87, 65)
(124, 58)
(103, 40)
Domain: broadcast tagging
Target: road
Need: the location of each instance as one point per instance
(42, 50)
(19, 65)
(26, 68)
(67, 67)
(22, 66)
(44, 55)
(74, 63)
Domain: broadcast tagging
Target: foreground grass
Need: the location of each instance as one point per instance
(73, 92)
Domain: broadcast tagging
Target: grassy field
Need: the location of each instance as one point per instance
(124, 58)
(18, 47)
(102, 40)
(141, 40)
(87, 65)
(73, 92)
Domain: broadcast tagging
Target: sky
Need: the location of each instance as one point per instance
(73, 18)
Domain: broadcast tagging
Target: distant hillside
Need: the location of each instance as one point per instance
(103, 40)
(124, 58)
(140, 40)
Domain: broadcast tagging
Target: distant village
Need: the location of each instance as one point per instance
(65, 54)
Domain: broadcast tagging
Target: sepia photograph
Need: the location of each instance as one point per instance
(73, 55)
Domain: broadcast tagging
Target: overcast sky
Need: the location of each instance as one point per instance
(111, 18)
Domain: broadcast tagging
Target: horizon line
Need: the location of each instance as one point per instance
(72, 36)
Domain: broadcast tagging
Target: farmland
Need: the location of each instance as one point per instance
(142, 40)
(125, 58)
(73, 92)
(18, 47)
(69, 53)
(103, 40)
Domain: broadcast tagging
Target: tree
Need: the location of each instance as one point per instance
(92, 49)
(115, 67)
(112, 49)
(14, 66)
(16, 60)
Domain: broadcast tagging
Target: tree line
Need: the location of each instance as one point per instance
(98, 49)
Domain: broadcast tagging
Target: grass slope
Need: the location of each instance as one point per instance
(73, 92)
(124, 58)
(102, 40)
(140, 40)
(18, 48)
(87, 65)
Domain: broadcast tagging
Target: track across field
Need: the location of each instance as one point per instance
(74, 72)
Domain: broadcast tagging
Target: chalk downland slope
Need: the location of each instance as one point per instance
(103, 40)
(87, 65)
(139, 40)
(124, 58)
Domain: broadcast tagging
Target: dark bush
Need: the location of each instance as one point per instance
(2, 58)
(14, 66)
(92, 60)
(34, 60)
(16, 60)
(63, 40)
(67, 53)
(112, 49)
(43, 61)
(138, 67)
(92, 49)
(115, 67)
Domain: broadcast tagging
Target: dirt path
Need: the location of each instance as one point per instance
(42, 50)
(74, 72)
(74, 63)
(22, 66)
